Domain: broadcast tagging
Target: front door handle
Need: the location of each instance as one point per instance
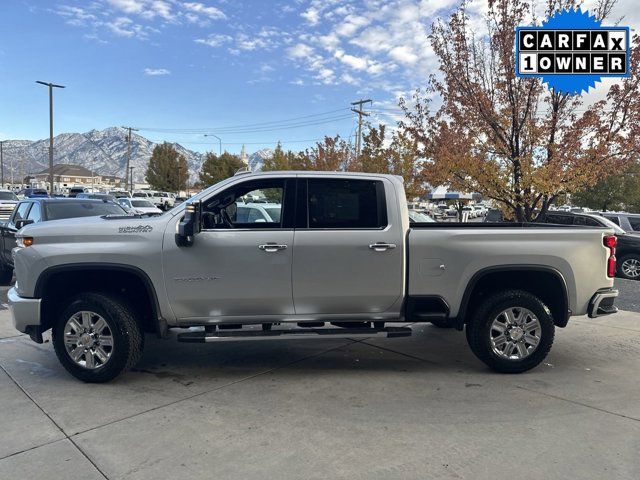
(272, 247)
(382, 246)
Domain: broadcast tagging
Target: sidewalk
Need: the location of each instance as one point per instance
(418, 407)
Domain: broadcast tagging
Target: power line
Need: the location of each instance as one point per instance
(272, 123)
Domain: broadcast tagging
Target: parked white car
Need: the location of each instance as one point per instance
(138, 205)
(168, 200)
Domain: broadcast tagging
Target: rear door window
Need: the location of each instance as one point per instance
(345, 204)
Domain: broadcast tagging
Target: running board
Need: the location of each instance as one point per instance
(237, 335)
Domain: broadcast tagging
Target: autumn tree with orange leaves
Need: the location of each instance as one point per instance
(511, 138)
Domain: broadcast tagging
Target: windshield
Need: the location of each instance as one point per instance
(142, 203)
(8, 196)
(417, 217)
(63, 209)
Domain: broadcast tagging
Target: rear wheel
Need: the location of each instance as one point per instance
(629, 267)
(511, 331)
(96, 338)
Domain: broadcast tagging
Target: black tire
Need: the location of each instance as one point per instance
(621, 262)
(6, 275)
(128, 340)
(478, 330)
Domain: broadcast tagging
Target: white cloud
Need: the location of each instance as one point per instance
(300, 50)
(312, 16)
(156, 72)
(214, 40)
(403, 54)
(195, 10)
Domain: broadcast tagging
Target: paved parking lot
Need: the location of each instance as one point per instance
(418, 407)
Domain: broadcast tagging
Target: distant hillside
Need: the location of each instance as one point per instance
(104, 151)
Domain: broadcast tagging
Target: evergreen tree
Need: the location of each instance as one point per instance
(216, 168)
(167, 169)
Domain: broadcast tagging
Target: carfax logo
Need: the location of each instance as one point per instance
(572, 51)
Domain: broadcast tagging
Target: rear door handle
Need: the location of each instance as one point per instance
(272, 247)
(382, 246)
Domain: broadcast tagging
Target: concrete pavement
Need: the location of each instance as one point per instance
(418, 407)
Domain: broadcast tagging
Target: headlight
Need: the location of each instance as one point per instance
(24, 241)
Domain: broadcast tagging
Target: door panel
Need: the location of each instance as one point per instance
(239, 264)
(226, 273)
(340, 270)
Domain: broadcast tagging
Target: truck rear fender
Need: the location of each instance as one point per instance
(545, 282)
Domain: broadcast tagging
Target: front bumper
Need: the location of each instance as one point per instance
(602, 303)
(25, 313)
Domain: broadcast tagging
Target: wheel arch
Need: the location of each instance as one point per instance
(125, 281)
(543, 281)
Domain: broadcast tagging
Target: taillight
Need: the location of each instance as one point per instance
(610, 241)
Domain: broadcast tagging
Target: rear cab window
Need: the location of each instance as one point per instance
(345, 204)
(635, 223)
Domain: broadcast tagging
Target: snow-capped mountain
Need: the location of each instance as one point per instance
(104, 151)
(256, 160)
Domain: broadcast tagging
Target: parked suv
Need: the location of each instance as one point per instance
(629, 222)
(627, 249)
(36, 210)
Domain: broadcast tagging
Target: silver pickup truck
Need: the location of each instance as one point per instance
(338, 257)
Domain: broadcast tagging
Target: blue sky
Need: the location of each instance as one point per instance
(173, 64)
(221, 64)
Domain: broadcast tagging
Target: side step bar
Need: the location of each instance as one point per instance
(237, 335)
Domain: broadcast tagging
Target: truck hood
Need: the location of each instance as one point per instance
(80, 229)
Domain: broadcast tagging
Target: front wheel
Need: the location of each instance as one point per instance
(96, 338)
(629, 267)
(511, 331)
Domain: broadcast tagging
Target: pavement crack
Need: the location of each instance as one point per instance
(54, 422)
(576, 402)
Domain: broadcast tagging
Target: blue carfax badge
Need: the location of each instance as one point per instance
(572, 51)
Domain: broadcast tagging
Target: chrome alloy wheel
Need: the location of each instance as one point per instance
(631, 267)
(88, 339)
(515, 333)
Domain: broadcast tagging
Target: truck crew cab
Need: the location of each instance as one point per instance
(339, 259)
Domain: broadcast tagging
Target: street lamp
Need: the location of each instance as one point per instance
(51, 87)
(219, 140)
(131, 182)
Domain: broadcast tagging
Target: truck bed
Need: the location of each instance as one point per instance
(444, 257)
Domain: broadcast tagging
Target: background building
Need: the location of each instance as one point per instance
(66, 176)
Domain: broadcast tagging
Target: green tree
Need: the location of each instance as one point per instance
(620, 191)
(374, 156)
(280, 160)
(167, 169)
(216, 168)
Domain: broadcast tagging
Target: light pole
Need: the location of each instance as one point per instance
(131, 182)
(51, 87)
(1, 165)
(219, 141)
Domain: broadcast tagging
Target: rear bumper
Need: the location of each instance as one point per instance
(602, 303)
(25, 313)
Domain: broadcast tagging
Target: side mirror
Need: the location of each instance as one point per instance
(190, 224)
(22, 222)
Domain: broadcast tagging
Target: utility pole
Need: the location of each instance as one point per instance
(51, 87)
(126, 171)
(1, 165)
(131, 176)
(361, 113)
